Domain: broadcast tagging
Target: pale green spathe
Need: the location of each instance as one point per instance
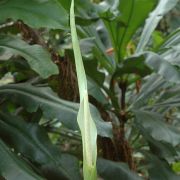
(85, 121)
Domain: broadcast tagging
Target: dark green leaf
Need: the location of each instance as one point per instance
(91, 68)
(37, 57)
(159, 169)
(133, 65)
(155, 127)
(114, 170)
(35, 13)
(12, 167)
(95, 91)
(32, 98)
(32, 141)
(161, 149)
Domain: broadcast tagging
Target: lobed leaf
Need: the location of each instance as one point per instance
(37, 57)
(32, 98)
(35, 13)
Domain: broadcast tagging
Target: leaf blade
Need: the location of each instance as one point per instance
(12, 168)
(35, 13)
(32, 98)
(162, 8)
(37, 57)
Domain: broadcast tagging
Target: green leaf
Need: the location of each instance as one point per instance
(173, 102)
(35, 13)
(155, 127)
(85, 121)
(149, 88)
(157, 39)
(32, 98)
(170, 49)
(163, 7)
(95, 91)
(176, 167)
(133, 65)
(85, 10)
(132, 14)
(96, 47)
(32, 141)
(91, 69)
(172, 40)
(172, 55)
(161, 149)
(159, 169)
(154, 61)
(12, 167)
(169, 98)
(163, 67)
(115, 170)
(37, 57)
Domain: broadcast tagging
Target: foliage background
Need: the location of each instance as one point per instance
(135, 104)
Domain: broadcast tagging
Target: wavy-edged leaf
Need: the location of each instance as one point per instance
(37, 57)
(35, 13)
(154, 126)
(12, 167)
(85, 120)
(163, 7)
(32, 98)
(115, 170)
(161, 149)
(32, 141)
